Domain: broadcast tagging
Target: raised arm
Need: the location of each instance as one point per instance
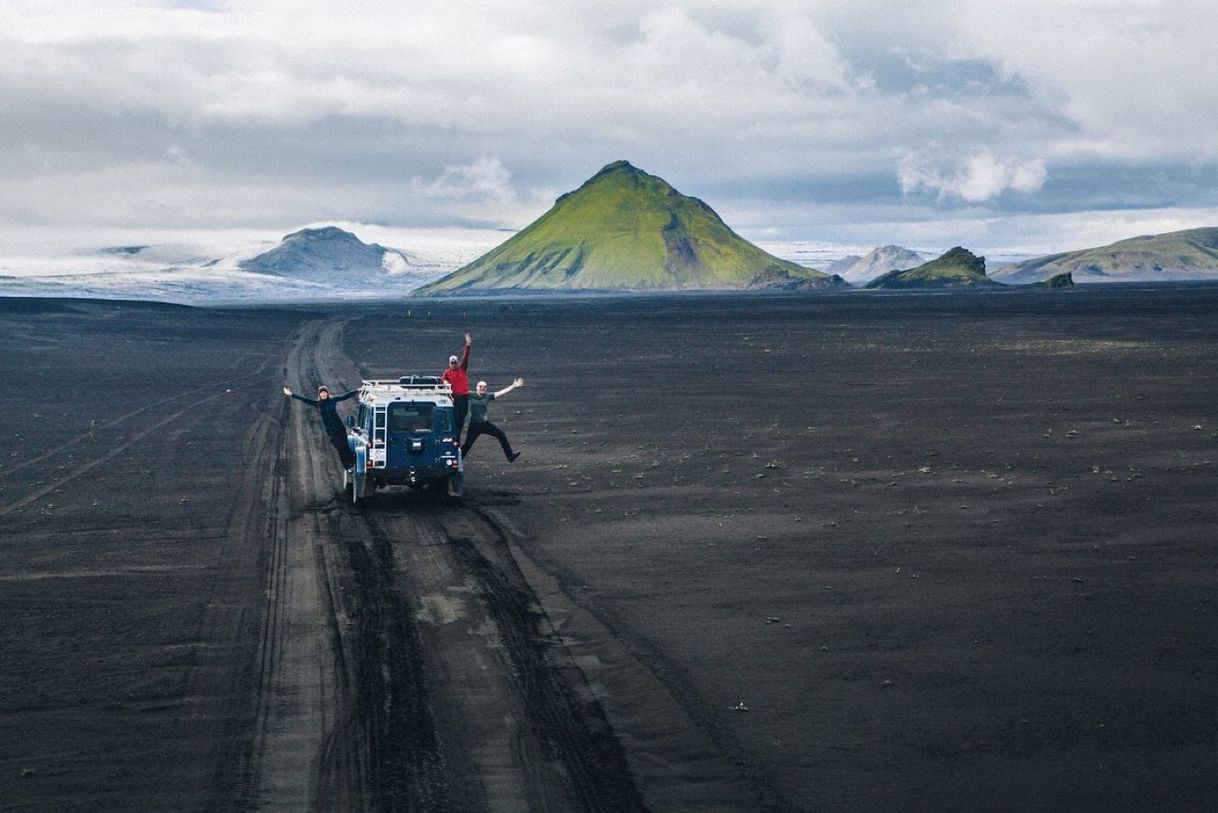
(291, 394)
(519, 382)
(465, 356)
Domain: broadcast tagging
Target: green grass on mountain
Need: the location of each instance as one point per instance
(1180, 255)
(958, 268)
(621, 230)
(1063, 280)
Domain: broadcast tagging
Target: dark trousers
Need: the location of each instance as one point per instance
(339, 441)
(485, 428)
(460, 410)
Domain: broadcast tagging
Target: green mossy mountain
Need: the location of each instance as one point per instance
(1063, 280)
(622, 230)
(1180, 255)
(774, 278)
(958, 268)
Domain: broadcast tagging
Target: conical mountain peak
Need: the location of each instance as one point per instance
(626, 174)
(622, 229)
(618, 166)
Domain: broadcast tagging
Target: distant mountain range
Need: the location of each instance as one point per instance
(623, 229)
(958, 268)
(310, 264)
(328, 254)
(858, 270)
(1175, 256)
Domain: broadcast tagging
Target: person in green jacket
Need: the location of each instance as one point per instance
(479, 425)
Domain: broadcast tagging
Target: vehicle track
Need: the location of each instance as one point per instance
(547, 746)
(38, 493)
(305, 751)
(106, 426)
(404, 663)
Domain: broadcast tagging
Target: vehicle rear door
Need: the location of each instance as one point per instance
(410, 438)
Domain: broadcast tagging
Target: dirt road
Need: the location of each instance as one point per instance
(404, 662)
(196, 618)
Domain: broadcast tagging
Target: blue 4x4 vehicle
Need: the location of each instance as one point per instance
(404, 435)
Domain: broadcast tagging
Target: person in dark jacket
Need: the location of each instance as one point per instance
(479, 425)
(327, 406)
(457, 376)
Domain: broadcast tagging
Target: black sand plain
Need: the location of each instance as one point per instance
(842, 551)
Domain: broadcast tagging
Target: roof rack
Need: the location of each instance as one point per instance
(425, 383)
(422, 381)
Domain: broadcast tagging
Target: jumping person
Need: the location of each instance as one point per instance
(327, 405)
(479, 425)
(457, 377)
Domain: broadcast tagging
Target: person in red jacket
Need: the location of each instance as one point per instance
(458, 379)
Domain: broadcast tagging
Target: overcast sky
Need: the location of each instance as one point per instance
(989, 123)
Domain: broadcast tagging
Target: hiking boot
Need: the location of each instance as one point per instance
(512, 457)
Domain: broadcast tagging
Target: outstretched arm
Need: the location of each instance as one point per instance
(291, 394)
(344, 396)
(519, 382)
(465, 356)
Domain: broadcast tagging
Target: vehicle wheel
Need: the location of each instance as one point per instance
(454, 487)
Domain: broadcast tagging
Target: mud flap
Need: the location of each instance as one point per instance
(358, 473)
(454, 486)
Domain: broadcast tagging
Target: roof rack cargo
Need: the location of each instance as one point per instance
(427, 381)
(421, 383)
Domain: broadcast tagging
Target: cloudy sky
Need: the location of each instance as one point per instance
(999, 125)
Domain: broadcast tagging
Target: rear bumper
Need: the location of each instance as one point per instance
(412, 477)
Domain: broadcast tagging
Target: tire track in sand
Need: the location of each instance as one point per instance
(402, 665)
(85, 468)
(93, 431)
(302, 756)
(515, 732)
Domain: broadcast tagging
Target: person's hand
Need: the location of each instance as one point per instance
(468, 340)
(519, 382)
(287, 391)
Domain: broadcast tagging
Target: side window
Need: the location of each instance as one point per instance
(362, 420)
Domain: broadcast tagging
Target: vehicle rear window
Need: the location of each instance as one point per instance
(410, 417)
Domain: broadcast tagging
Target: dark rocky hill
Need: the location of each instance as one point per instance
(330, 254)
(958, 268)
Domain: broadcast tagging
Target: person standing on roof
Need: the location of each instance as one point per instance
(457, 377)
(479, 425)
(327, 405)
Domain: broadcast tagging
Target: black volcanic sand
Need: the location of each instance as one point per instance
(787, 552)
(129, 586)
(948, 551)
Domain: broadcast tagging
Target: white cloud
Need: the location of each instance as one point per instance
(486, 180)
(228, 113)
(978, 177)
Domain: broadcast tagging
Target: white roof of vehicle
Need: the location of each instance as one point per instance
(389, 390)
